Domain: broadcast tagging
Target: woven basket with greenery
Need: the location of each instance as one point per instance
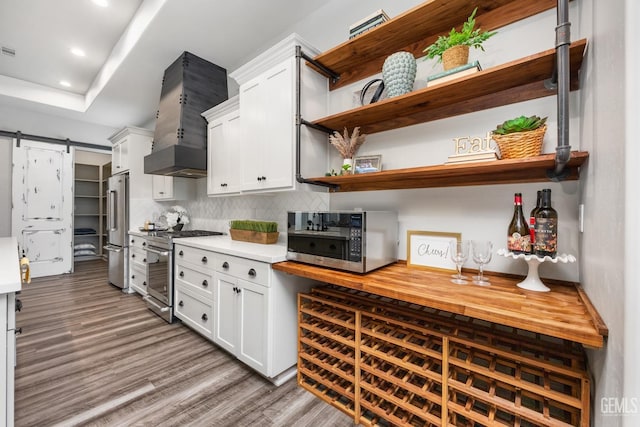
(520, 137)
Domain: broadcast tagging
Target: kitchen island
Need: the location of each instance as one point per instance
(10, 283)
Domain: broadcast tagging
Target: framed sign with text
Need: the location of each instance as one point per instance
(430, 250)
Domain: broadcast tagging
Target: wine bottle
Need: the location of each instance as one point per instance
(519, 238)
(546, 243)
(532, 219)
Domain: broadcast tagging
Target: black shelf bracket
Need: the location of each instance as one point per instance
(325, 70)
(301, 122)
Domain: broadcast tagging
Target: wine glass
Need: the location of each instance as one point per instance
(481, 253)
(459, 252)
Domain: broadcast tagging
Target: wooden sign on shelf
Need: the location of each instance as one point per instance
(473, 149)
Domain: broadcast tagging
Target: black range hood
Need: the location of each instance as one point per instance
(191, 85)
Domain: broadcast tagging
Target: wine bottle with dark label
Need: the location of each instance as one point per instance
(519, 238)
(532, 218)
(546, 243)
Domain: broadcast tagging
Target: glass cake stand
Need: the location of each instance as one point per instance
(532, 282)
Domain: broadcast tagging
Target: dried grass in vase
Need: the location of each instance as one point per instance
(347, 146)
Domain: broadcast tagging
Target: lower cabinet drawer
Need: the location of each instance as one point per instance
(194, 310)
(195, 278)
(138, 278)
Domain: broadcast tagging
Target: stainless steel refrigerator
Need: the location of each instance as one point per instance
(117, 228)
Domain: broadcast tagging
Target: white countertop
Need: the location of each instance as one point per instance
(10, 279)
(276, 252)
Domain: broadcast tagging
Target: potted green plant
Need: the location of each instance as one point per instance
(520, 137)
(453, 49)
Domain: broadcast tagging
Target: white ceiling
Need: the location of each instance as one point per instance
(128, 45)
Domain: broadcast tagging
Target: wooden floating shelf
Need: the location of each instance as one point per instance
(509, 171)
(515, 81)
(416, 29)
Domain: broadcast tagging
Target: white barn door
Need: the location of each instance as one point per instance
(42, 208)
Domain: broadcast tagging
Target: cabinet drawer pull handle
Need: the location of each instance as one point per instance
(204, 259)
(132, 241)
(182, 274)
(225, 265)
(144, 283)
(144, 260)
(133, 255)
(238, 290)
(205, 283)
(252, 273)
(181, 303)
(204, 317)
(144, 243)
(133, 276)
(181, 253)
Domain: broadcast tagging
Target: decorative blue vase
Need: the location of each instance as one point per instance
(399, 73)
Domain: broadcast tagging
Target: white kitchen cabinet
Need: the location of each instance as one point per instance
(224, 133)
(120, 156)
(130, 145)
(267, 98)
(173, 188)
(253, 308)
(194, 289)
(7, 358)
(242, 318)
(138, 267)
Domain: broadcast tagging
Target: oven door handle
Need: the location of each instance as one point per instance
(157, 252)
(148, 299)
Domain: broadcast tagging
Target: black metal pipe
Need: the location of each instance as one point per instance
(563, 42)
(329, 72)
(300, 122)
(66, 142)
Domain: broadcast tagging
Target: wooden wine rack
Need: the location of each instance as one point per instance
(386, 362)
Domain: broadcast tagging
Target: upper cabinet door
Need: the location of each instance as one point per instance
(268, 128)
(225, 155)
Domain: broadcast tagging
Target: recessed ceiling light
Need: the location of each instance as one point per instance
(65, 83)
(78, 52)
(101, 3)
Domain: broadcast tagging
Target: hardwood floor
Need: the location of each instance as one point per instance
(92, 355)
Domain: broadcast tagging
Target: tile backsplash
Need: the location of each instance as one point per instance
(214, 213)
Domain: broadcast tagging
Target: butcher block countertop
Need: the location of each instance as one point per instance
(565, 312)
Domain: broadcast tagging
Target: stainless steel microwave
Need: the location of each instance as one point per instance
(358, 241)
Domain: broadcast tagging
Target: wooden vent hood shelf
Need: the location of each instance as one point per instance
(416, 29)
(531, 169)
(515, 81)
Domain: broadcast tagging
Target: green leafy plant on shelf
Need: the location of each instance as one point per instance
(259, 226)
(468, 36)
(520, 124)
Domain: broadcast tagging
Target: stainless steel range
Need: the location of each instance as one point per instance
(160, 262)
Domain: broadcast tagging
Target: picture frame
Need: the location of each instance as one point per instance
(430, 250)
(367, 164)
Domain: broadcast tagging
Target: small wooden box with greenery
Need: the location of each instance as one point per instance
(265, 232)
